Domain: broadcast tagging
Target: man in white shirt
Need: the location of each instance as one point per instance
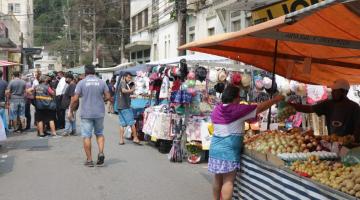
(60, 90)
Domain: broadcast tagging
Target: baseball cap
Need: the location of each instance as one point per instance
(340, 84)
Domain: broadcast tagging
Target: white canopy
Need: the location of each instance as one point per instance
(189, 58)
(116, 68)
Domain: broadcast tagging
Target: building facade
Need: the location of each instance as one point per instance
(22, 10)
(154, 31)
(48, 62)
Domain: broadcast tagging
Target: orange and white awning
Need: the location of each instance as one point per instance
(318, 44)
(5, 63)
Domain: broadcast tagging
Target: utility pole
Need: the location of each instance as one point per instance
(23, 54)
(181, 10)
(80, 36)
(94, 36)
(122, 46)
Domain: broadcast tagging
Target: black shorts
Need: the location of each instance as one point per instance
(45, 115)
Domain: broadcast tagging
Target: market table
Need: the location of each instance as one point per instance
(260, 180)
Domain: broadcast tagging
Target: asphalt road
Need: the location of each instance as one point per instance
(32, 168)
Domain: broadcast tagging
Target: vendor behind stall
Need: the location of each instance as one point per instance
(342, 115)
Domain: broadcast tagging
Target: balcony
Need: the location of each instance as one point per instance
(241, 4)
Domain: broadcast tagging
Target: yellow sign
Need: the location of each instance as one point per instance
(278, 9)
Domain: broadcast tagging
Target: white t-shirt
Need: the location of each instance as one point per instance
(235, 127)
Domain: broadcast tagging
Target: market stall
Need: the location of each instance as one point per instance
(317, 45)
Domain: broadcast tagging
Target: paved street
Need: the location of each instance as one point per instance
(37, 169)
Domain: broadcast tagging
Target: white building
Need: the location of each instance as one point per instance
(48, 62)
(154, 33)
(23, 12)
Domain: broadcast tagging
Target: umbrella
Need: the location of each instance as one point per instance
(317, 44)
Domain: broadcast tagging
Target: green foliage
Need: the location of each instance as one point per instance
(48, 21)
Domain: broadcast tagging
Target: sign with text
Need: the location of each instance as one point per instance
(279, 9)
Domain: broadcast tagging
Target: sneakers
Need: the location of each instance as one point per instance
(89, 163)
(100, 161)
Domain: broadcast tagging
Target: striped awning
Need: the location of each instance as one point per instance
(5, 63)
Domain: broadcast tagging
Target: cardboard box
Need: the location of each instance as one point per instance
(274, 160)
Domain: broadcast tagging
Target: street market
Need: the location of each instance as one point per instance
(251, 100)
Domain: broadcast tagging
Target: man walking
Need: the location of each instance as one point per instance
(15, 92)
(92, 91)
(126, 115)
(70, 123)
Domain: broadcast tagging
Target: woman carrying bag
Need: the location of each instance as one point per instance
(45, 105)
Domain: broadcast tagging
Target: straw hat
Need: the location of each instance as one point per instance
(213, 76)
(236, 78)
(222, 76)
(246, 80)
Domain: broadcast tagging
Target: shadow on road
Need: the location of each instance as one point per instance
(27, 144)
(6, 164)
(113, 161)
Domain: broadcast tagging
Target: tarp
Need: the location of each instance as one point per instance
(5, 63)
(132, 70)
(189, 58)
(317, 44)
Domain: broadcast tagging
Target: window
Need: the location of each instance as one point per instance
(133, 23)
(211, 31)
(146, 15)
(236, 25)
(139, 22)
(37, 66)
(133, 55)
(191, 37)
(51, 67)
(17, 8)
(10, 8)
(147, 53)
(139, 54)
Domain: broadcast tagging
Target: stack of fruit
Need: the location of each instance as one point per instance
(333, 174)
(277, 142)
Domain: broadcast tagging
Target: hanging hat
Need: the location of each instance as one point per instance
(267, 82)
(301, 91)
(161, 69)
(259, 84)
(200, 74)
(183, 69)
(191, 83)
(246, 80)
(236, 78)
(222, 75)
(191, 75)
(184, 86)
(213, 76)
(272, 90)
(219, 87)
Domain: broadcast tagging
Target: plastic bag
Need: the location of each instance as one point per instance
(352, 157)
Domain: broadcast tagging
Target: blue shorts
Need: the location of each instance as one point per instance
(17, 109)
(126, 117)
(90, 126)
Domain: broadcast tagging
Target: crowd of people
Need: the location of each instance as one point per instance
(55, 98)
(50, 95)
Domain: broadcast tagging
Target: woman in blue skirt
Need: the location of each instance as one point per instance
(224, 156)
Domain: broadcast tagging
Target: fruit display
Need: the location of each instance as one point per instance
(330, 173)
(277, 142)
(344, 140)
